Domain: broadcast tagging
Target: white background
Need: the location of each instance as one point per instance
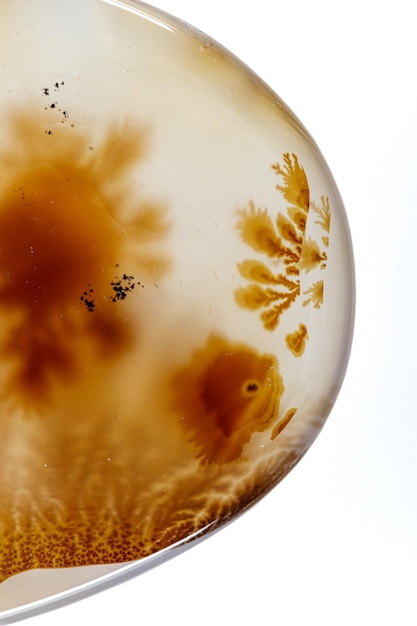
(336, 542)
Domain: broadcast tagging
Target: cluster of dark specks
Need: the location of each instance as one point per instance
(21, 190)
(46, 91)
(122, 286)
(88, 300)
(57, 87)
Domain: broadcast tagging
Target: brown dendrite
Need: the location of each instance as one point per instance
(288, 249)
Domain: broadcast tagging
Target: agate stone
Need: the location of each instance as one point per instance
(176, 290)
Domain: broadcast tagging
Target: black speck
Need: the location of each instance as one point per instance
(45, 91)
(252, 387)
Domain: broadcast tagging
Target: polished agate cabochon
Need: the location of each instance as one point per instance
(176, 292)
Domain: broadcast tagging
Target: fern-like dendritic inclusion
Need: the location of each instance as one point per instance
(288, 250)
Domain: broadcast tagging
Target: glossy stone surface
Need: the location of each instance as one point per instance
(176, 284)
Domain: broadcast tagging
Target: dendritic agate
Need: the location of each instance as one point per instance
(175, 286)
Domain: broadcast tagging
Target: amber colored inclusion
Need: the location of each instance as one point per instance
(226, 393)
(61, 246)
(70, 262)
